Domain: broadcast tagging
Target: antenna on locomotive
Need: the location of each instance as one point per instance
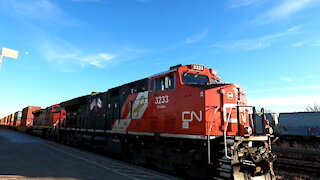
(10, 53)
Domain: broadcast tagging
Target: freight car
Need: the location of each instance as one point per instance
(181, 119)
(303, 124)
(9, 120)
(1, 121)
(294, 124)
(17, 118)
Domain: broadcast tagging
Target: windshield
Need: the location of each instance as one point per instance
(214, 81)
(189, 78)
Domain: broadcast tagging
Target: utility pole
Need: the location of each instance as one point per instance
(10, 53)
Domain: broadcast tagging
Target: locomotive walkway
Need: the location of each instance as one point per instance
(27, 157)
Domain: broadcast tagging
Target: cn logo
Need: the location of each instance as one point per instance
(96, 103)
(188, 116)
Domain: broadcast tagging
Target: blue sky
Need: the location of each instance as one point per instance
(70, 48)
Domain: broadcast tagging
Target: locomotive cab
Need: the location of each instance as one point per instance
(219, 111)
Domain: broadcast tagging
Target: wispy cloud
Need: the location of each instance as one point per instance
(316, 44)
(90, 1)
(285, 104)
(241, 3)
(244, 45)
(32, 8)
(137, 50)
(40, 10)
(298, 44)
(287, 79)
(307, 43)
(286, 89)
(197, 37)
(288, 8)
(97, 60)
(142, 1)
(256, 43)
(301, 79)
(66, 56)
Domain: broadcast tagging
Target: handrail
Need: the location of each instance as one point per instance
(225, 134)
(211, 123)
(209, 132)
(251, 118)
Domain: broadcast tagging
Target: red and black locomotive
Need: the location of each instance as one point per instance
(184, 118)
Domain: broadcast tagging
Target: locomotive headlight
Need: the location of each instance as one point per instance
(248, 130)
(250, 144)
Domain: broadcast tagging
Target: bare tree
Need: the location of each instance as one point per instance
(314, 108)
(265, 111)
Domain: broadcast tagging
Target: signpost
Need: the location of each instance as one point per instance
(10, 53)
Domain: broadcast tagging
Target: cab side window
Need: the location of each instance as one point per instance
(152, 88)
(165, 83)
(160, 84)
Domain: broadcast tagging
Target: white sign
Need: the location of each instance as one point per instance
(10, 53)
(197, 67)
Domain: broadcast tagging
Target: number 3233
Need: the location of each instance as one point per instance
(161, 99)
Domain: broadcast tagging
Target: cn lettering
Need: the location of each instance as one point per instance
(189, 116)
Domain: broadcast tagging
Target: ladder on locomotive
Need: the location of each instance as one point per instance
(224, 169)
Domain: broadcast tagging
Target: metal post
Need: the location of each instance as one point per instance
(254, 116)
(0, 62)
(238, 119)
(209, 149)
(263, 118)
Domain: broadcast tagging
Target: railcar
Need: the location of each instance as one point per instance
(9, 120)
(299, 124)
(27, 116)
(183, 118)
(46, 120)
(17, 118)
(2, 121)
(294, 124)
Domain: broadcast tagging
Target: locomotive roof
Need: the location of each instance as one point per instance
(75, 101)
(133, 82)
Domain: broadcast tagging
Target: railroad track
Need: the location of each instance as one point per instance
(298, 165)
(300, 161)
